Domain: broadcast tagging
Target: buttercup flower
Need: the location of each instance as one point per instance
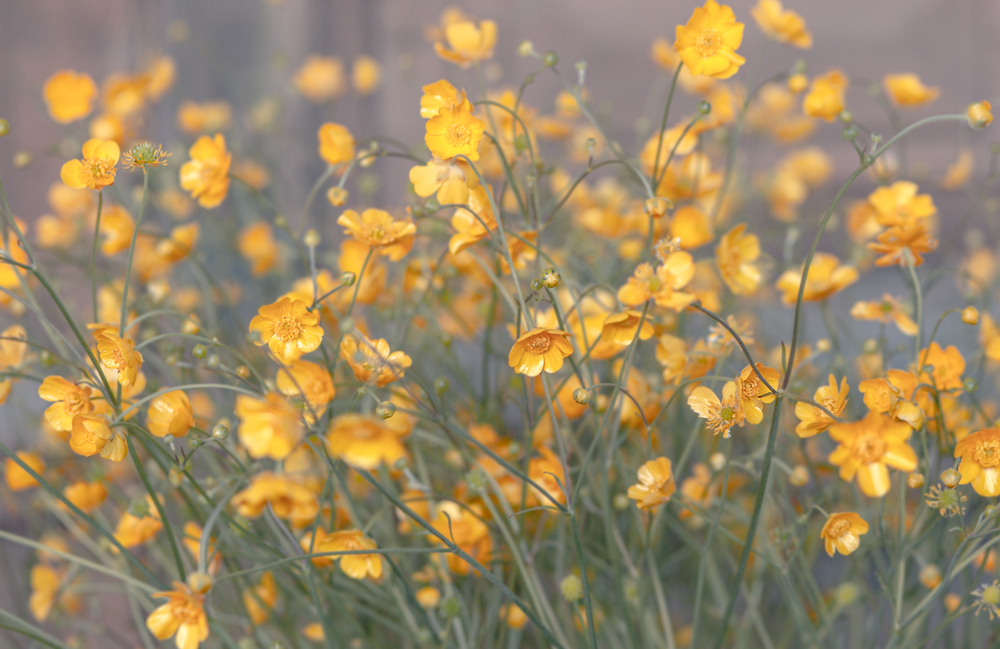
(891, 243)
(204, 117)
(826, 277)
(899, 204)
(979, 114)
(540, 349)
(289, 497)
(371, 360)
(119, 354)
(470, 229)
(257, 245)
(68, 400)
(825, 98)
(366, 73)
(621, 328)
(17, 478)
(170, 414)
(377, 229)
(888, 310)
(842, 532)
(980, 465)
(97, 168)
(753, 392)
(355, 566)
(467, 42)
(182, 616)
(206, 174)
(438, 95)
(721, 415)
(260, 599)
(812, 420)
(88, 496)
(734, 256)
(663, 285)
(91, 435)
(269, 427)
(783, 25)
(988, 599)
(868, 447)
(708, 42)
(308, 380)
(69, 95)
(451, 180)
(336, 144)
(908, 90)
(656, 484)
(455, 131)
(320, 78)
(288, 329)
(363, 442)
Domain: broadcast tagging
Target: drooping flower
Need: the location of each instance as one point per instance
(321, 78)
(91, 435)
(826, 277)
(377, 229)
(269, 427)
(720, 415)
(780, 24)
(288, 329)
(455, 131)
(363, 442)
(68, 400)
(868, 447)
(336, 144)
(979, 115)
(621, 328)
(355, 566)
(120, 354)
(467, 42)
(538, 350)
(888, 310)
(825, 98)
(656, 484)
(735, 256)
(663, 285)
(88, 496)
(470, 229)
(372, 361)
(754, 393)
(812, 420)
(96, 170)
(206, 174)
(908, 90)
(170, 414)
(980, 461)
(290, 498)
(450, 180)
(183, 616)
(260, 599)
(69, 95)
(708, 42)
(842, 532)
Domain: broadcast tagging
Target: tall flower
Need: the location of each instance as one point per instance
(467, 42)
(980, 461)
(708, 42)
(890, 244)
(721, 415)
(372, 361)
(656, 484)
(68, 400)
(119, 354)
(826, 277)
(663, 285)
(812, 420)
(735, 256)
(269, 427)
(455, 131)
(363, 442)
(782, 25)
(288, 329)
(754, 393)
(206, 174)
(540, 349)
(183, 616)
(97, 168)
(842, 532)
(868, 447)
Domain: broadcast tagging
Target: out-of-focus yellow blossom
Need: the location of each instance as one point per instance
(310, 381)
(170, 414)
(257, 245)
(355, 566)
(948, 364)
(780, 24)
(45, 584)
(907, 90)
(891, 243)
(691, 227)
(889, 309)
(662, 285)
(136, 529)
(455, 131)
(467, 43)
(377, 229)
(107, 126)
(980, 461)
(69, 95)
(117, 228)
(868, 447)
(789, 187)
(207, 117)
(656, 484)
(467, 530)
(289, 497)
(124, 95)
(754, 393)
(826, 96)
(372, 361)
(899, 204)
(269, 427)
(842, 532)
(621, 328)
(826, 277)
(13, 353)
(366, 73)
(469, 228)
(438, 95)
(958, 173)
(260, 599)
(363, 442)
(288, 328)
(540, 349)
(206, 174)
(979, 115)
(735, 256)
(812, 420)
(720, 415)
(336, 144)
(17, 478)
(451, 180)
(97, 168)
(320, 79)
(182, 616)
(708, 42)
(88, 496)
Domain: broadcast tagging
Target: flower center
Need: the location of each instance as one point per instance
(988, 454)
(458, 134)
(709, 43)
(102, 170)
(991, 595)
(839, 528)
(539, 344)
(75, 402)
(869, 448)
(287, 328)
(727, 414)
(654, 284)
(118, 359)
(750, 388)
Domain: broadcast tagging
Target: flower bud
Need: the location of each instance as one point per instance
(870, 346)
(969, 384)
(846, 116)
(385, 410)
(312, 238)
(431, 205)
(970, 315)
(199, 351)
(656, 207)
(22, 159)
(704, 108)
(799, 476)
(850, 133)
(950, 478)
(823, 345)
(440, 384)
(220, 432)
(551, 59)
(915, 480)
(347, 278)
(476, 480)
(550, 278)
(242, 371)
(451, 607)
(526, 48)
(139, 508)
(979, 114)
(581, 396)
(571, 588)
(930, 576)
(621, 502)
(337, 196)
(199, 582)
(191, 325)
(717, 461)
(952, 602)
(212, 361)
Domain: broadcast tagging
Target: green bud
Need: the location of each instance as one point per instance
(550, 59)
(440, 384)
(200, 351)
(347, 278)
(4, 127)
(451, 607)
(704, 108)
(431, 205)
(385, 410)
(213, 361)
(220, 432)
(581, 396)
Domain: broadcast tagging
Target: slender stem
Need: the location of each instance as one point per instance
(312, 197)
(93, 253)
(663, 126)
(582, 563)
(168, 528)
(131, 251)
(703, 563)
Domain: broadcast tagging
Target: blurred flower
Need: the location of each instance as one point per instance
(320, 79)
(784, 26)
(468, 43)
(69, 95)
(867, 447)
(87, 496)
(720, 415)
(691, 227)
(980, 459)
(371, 360)
(17, 478)
(91, 435)
(656, 484)
(289, 497)
(206, 174)
(891, 243)
(438, 95)
(708, 42)
(365, 74)
(842, 532)
(734, 256)
(539, 349)
(310, 381)
(979, 114)
(363, 442)
(958, 173)
(468, 228)
(206, 117)
(170, 414)
(451, 180)
(908, 90)
(257, 245)
(136, 529)
(145, 154)
(663, 285)
(355, 566)
(269, 427)
(988, 599)
(826, 96)
(183, 615)
(97, 168)
(826, 277)
(888, 310)
(899, 204)
(377, 229)
(812, 420)
(260, 599)
(336, 144)
(288, 328)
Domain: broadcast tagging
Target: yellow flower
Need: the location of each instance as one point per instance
(88, 496)
(707, 43)
(721, 415)
(438, 95)
(365, 74)
(467, 530)
(205, 117)
(261, 598)
(451, 180)
(958, 173)
(948, 366)
(469, 229)
(91, 435)
(980, 459)
(45, 582)
(734, 256)
(826, 277)
(812, 420)
(133, 530)
(888, 310)
(620, 328)
(117, 227)
(455, 131)
(662, 286)
(372, 361)
(97, 168)
(183, 615)
(826, 96)
(468, 43)
(288, 328)
(540, 349)
(355, 566)
(17, 478)
(119, 354)
(257, 245)
(544, 471)
(891, 243)
(206, 174)
(754, 393)
(899, 204)
(289, 497)
(170, 414)
(843, 532)
(691, 227)
(979, 114)
(68, 400)
(307, 380)
(269, 427)
(320, 78)
(364, 442)
(784, 26)
(656, 484)
(336, 144)
(377, 229)
(69, 95)
(908, 90)
(868, 447)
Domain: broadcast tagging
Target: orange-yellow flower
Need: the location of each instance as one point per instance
(842, 532)
(133, 529)
(899, 204)
(17, 478)
(310, 381)
(372, 361)
(206, 174)
(321, 78)
(288, 329)
(289, 497)
(721, 415)
(621, 328)
(958, 173)
(68, 400)
(117, 227)
(826, 96)
(468, 43)
(97, 168)
(366, 73)
(980, 461)
(868, 447)
(88, 496)
(540, 349)
(784, 26)
(454, 131)
(269, 427)
(826, 277)
(908, 90)
(754, 393)
(119, 354)
(355, 566)
(69, 95)
(183, 615)
(257, 245)
(656, 484)
(979, 114)
(438, 95)
(891, 243)
(210, 116)
(662, 286)
(377, 229)
(451, 180)
(470, 229)
(888, 310)
(336, 144)
(45, 582)
(363, 442)
(948, 364)
(467, 530)
(170, 414)
(708, 42)
(691, 227)
(260, 599)
(735, 256)
(91, 435)
(812, 420)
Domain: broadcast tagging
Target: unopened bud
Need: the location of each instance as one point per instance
(799, 476)
(385, 410)
(347, 278)
(199, 351)
(242, 371)
(220, 432)
(797, 83)
(915, 480)
(656, 207)
(846, 116)
(199, 582)
(950, 478)
(311, 239)
(550, 278)
(969, 384)
(930, 576)
(431, 205)
(440, 384)
(22, 159)
(970, 315)
(581, 396)
(979, 114)
(704, 108)
(337, 196)
(551, 59)
(571, 588)
(4, 127)
(526, 48)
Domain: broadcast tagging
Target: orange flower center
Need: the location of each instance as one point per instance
(102, 170)
(727, 414)
(458, 134)
(988, 453)
(539, 344)
(838, 528)
(654, 284)
(750, 387)
(287, 328)
(709, 43)
(117, 359)
(869, 448)
(75, 402)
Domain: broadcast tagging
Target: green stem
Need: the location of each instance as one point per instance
(93, 253)
(663, 126)
(582, 563)
(168, 528)
(131, 252)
